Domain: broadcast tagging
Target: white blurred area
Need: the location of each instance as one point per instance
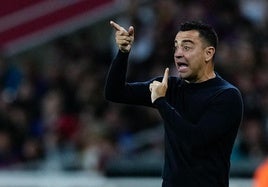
(82, 179)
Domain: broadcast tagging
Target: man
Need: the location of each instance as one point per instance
(201, 111)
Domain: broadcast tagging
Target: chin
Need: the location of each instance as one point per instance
(183, 76)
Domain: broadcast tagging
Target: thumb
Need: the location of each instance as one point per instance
(165, 78)
(131, 31)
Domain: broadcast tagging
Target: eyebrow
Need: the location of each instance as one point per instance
(184, 41)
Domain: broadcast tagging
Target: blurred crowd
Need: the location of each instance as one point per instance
(52, 111)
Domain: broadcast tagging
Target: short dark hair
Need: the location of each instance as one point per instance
(206, 31)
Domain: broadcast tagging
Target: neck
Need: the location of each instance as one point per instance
(207, 73)
(211, 75)
(204, 78)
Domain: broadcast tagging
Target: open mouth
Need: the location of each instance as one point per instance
(182, 66)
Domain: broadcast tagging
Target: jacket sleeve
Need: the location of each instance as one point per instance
(117, 89)
(221, 118)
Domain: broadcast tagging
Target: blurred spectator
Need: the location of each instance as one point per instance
(253, 143)
(255, 11)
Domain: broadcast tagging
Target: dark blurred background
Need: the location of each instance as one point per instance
(54, 59)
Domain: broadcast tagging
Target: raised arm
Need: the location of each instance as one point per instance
(117, 89)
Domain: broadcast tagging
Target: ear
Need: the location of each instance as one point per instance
(209, 53)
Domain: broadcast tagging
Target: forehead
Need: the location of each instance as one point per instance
(191, 35)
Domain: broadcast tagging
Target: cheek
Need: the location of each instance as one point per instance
(195, 63)
(191, 58)
(197, 58)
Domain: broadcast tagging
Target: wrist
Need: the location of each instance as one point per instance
(156, 99)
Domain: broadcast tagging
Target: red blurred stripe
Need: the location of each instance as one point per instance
(49, 20)
(10, 6)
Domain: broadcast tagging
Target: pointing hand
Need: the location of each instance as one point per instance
(158, 89)
(123, 38)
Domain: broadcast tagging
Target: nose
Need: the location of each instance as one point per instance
(178, 52)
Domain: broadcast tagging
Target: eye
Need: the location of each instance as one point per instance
(186, 48)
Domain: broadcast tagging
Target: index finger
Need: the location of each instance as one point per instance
(116, 26)
(165, 78)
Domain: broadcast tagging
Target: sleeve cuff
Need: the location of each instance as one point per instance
(159, 101)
